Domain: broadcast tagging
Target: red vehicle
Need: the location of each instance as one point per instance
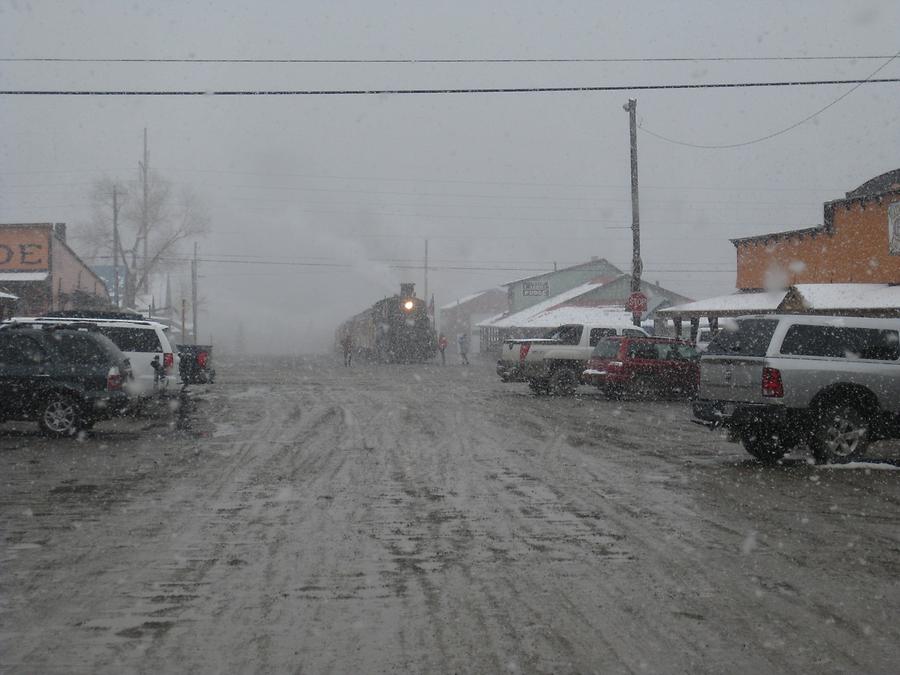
(644, 365)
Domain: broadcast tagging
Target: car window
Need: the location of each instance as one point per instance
(79, 348)
(132, 339)
(643, 350)
(21, 350)
(632, 332)
(743, 337)
(842, 342)
(598, 334)
(606, 349)
(567, 335)
(685, 352)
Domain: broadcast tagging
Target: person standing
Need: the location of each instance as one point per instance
(464, 348)
(347, 346)
(442, 347)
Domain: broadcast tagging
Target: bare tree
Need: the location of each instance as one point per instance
(173, 215)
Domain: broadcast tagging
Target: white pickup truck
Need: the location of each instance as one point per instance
(553, 364)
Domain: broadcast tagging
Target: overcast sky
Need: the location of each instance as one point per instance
(506, 183)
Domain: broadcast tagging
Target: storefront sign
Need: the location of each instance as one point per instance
(24, 249)
(536, 288)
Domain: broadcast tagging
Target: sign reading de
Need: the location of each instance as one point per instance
(636, 303)
(24, 249)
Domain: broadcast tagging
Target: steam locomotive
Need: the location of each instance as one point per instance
(393, 330)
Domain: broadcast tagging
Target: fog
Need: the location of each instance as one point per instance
(321, 205)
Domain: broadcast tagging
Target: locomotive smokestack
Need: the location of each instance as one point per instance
(407, 290)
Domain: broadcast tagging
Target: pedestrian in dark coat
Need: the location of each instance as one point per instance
(442, 347)
(347, 346)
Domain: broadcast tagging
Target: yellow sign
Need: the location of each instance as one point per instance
(24, 249)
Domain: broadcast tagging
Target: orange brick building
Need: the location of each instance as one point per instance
(858, 242)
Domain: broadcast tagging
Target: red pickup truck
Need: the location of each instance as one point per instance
(643, 365)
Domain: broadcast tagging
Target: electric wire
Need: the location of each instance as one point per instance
(723, 146)
(431, 91)
(661, 59)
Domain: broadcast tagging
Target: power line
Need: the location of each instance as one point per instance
(484, 90)
(686, 59)
(402, 266)
(586, 186)
(780, 131)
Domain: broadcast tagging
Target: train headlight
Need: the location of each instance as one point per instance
(408, 305)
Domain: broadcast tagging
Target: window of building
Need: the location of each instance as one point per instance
(894, 228)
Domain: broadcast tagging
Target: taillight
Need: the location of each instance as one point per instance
(523, 351)
(168, 361)
(113, 379)
(772, 386)
(202, 357)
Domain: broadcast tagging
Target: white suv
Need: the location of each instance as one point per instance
(146, 344)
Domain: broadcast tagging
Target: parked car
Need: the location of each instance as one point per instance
(145, 343)
(63, 379)
(779, 381)
(554, 363)
(196, 364)
(658, 365)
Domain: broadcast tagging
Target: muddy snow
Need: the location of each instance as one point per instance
(305, 517)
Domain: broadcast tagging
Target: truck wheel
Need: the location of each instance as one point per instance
(841, 434)
(563, 382)
(60, 416)
(764, 443)
(539, 387)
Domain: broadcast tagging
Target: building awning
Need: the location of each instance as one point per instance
(817, 297)
(734, 304)
(24, 276)
(800, 298)
(612, 315)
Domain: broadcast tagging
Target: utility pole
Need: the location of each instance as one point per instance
(145, 213)
(425, 296)
(636, 265)
(194, 330)
(116, 245)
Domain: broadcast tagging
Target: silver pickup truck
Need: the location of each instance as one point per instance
(777, 381)
(553, 364)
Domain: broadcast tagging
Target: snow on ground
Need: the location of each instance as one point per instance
(364, 520)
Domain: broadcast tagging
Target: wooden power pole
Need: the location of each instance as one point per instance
(636, 265)
(115, 196)
(194, 330)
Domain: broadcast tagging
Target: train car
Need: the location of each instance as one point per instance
(393, 330)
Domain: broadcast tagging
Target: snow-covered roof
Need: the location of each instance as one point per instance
(848, 296)
(811, 297)
(467, 298)
(517, 320)
(609, 316)
(552, 317)
(748, 303)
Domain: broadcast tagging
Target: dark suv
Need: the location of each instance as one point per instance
(642, 365)
(65, 380)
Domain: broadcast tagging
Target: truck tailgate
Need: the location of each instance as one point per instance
(732, 379)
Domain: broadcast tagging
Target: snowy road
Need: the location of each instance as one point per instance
(424, 519)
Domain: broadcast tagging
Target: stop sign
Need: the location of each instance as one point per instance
(637, 302)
